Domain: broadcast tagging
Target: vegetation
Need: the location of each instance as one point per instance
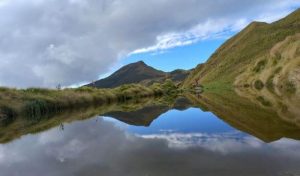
(251, 54)
(139, 73)
(269, 83)
(169, 87)
(37, 102)
(290, 87)
(258, 115)
(11, 129)
(258, 84)
(260, 66)
(263, 101)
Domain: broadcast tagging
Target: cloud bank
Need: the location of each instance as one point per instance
(100, 148)
(45, 43)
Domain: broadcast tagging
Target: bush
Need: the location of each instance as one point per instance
(260, 66)
(298, 52)
(277, 56)
(290, 87)
(277, 70)
(169, 87)
(246, 85)
(269, 83)
(4, 89)
(35, 108)
(263, 101)
(258, 84)
(35, 103)
(37, 91)
(86, 89)
(7, 115)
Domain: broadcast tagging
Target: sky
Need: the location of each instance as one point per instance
(44, 43)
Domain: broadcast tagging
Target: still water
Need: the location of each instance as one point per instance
(207, 134)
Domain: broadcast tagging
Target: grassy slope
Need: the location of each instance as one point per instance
(15, 128)
(139, 73)
(254, 118)
(11, 129)
(243, 50)
(38, 102)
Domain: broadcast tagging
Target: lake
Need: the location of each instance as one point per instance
(228, 133)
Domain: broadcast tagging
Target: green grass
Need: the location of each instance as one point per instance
(260, 120)
(263, 101)
(260, 66)
(244, 50)
(258, 84)
(270, 81)
(11, 129)
(290, 87)
(37, 102)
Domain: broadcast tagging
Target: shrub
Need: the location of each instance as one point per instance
(277, 56)
(260, 66)
(298, 51)
(246, 85)
(36, 108)
(269, 83)
(258, 84)
(7, 116)
(277, 70)
(35, 103)
(4, 89)
(290, 87)
(37, 91)
(263, 101)
(169, 87)
(86, 89)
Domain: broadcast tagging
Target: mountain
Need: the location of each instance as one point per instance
(147, 114)
(138, 72)
(140, 117)
(268, 123)
(260, 55)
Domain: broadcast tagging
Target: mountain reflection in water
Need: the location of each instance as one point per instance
(209, 134)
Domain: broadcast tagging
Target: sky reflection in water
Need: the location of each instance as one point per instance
(189, 142)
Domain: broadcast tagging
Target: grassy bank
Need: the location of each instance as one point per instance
(36, 102)
(268, 52)
(12, 129)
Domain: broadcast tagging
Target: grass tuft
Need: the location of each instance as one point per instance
(35, 103)
(260, 66)
(258, 84)
(263, 101)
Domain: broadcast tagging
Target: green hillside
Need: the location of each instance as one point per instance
(139, 73)
(255, 55)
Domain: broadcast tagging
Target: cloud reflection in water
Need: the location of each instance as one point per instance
(89, 148)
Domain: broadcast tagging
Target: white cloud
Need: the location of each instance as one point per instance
(89, 148)
(204, 31)
(220, 142)
(43, 43)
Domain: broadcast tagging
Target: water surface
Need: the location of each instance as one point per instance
(207, 134)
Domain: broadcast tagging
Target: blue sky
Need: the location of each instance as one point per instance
(72, 42)
(183, 57)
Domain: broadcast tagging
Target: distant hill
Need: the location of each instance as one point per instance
(138, 72)
(146, 115)
(261, 54)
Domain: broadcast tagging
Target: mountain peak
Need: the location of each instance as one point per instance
(138, 72)
(137, 64)
(140, 62)
(293, 18)
(243, 52)
(131, 73)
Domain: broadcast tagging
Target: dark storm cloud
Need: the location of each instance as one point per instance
(46, 42)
